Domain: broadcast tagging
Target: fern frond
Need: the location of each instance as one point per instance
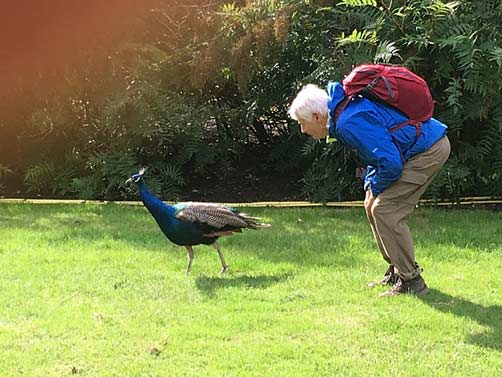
(364, 36)
(386, 50)
(358, 3)
(488, 140)
(496, 55)
(4, 170)
(39, 177)
(171, 179)
(440, 9)
(310, 147)
(454, 92)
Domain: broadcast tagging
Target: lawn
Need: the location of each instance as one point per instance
(96, 290)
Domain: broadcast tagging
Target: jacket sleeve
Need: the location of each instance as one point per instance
(363, 131)
(370, 172)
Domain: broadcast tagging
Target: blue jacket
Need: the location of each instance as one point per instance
(364, 125)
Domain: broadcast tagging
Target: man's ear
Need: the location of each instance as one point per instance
(317, 116)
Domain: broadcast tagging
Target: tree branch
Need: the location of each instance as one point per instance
(389, 13)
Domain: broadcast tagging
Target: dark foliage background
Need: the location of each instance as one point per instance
(198, 91)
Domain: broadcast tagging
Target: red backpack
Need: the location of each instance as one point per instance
(394, 85)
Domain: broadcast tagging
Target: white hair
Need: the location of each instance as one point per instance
(311, 99)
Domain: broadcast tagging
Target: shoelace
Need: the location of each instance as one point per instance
(397, 286)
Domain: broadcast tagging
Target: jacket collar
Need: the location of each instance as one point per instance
(336, 95)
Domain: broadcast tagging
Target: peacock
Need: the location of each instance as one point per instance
(194, 223)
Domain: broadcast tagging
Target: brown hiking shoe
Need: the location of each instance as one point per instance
(389, 278)
(414, 286)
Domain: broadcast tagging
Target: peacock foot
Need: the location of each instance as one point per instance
(223, 269)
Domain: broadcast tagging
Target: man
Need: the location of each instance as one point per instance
(400, 167)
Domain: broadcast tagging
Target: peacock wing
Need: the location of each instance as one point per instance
(215, 215)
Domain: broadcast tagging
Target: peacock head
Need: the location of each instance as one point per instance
(136, 178)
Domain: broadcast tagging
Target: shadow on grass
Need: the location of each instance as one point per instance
(490, 316)
(324, 237)
(209, 285)
(304, 243)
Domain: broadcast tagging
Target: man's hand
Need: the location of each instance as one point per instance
(368, 201)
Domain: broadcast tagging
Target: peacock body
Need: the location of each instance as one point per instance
(194, 223)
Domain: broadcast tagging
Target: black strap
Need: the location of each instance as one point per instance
(340, 107)
(418, 131)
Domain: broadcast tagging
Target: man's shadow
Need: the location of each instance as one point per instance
(490, 316)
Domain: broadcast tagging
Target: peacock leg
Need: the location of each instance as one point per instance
(190, 258)
(224, 266)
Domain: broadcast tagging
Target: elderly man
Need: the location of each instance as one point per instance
(400, 167)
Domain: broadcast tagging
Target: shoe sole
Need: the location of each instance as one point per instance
(422, 292)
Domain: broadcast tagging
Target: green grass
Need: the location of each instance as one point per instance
(98, 291)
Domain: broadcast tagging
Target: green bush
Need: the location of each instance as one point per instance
(207, 85)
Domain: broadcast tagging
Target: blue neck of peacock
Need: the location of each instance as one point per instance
(152, 203)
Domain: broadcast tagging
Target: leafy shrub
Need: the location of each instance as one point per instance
(199, 93)
(4, 171)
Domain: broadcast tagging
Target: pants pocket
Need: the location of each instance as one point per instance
(414, 177)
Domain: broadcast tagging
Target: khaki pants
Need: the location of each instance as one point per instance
(390, 210)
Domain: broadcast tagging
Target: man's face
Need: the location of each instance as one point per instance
(315, 127)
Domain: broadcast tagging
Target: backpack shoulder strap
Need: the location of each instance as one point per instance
(416, 124)
(340, 107)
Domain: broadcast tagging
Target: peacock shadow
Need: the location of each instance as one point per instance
(210, 285)
(489, 316)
